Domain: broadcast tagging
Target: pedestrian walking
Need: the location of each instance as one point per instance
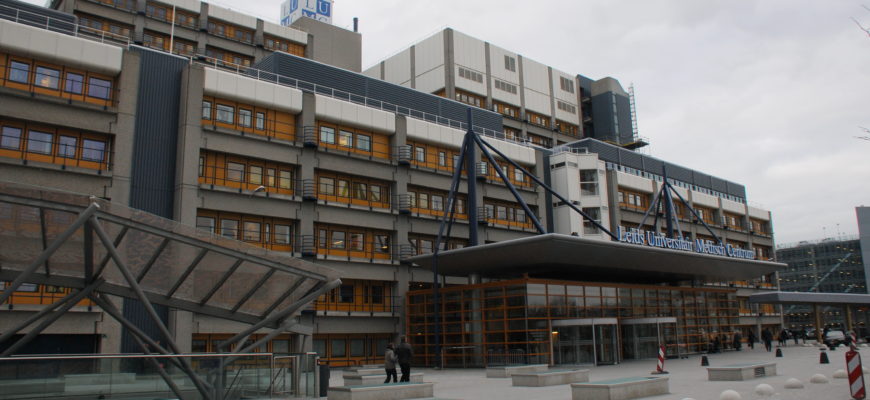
(752, 339)
(390, 359)
(404, 353)
(783, 338)
(767, 338)
(738, 341)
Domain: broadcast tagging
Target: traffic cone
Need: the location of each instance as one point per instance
(704, 361)
(778, 352)
(823, 358)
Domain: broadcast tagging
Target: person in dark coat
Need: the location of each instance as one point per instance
(390, 359)
(767, 338)
(783, 338)
(752, 339)
(737, 341)
(404, 353)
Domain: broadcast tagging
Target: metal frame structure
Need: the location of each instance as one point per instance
(665, 195)
(467, 158)
(292, 283)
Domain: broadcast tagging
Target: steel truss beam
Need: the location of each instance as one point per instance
(666, 194)
(93, 286)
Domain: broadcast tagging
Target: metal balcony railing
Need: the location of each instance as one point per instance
(309, 136)
(357, 304)
(346, 248)
(309, 189)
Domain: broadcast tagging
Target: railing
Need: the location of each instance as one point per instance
(335, 140)
(312, 191)
(58, 82)
(250, 124)
(122, 376)
(357, 304)
(33, 294)
(126, 5)
(839, 238)
(61, 26)
(484, 218)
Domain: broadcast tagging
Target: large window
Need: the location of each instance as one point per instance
(327, 135)
(48, 78)
(74, 83)
(19, 72)
(93, 150)
(345, 139)
(99, 88)
(11, 138)
(39, 142)
(66, 146)
(588, 227)
(589, 182)
(225, 113)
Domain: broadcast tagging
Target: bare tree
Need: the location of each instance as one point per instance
(865, 29)
(865, 137)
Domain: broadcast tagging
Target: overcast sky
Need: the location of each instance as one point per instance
(769, 94)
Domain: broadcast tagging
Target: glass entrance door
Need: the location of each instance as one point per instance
(606, 344)
(641, 341)
(585, 345)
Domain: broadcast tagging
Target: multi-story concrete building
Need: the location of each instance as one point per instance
(863, 214)
(316, 160)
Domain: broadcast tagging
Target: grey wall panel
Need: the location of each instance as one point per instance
(41, 17)
(623, 117)
(359, 88)
(155, 140)
(719, 185)
(602, 117)
(631, 159)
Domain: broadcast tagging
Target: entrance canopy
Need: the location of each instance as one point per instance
(826, 299)
(560, 256)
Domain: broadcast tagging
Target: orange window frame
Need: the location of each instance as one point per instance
(380, 144)
(266, 232)
(55, 156)
(351, 198)
(416, 191)
(275, 124)
(368, 241)
(215, 170)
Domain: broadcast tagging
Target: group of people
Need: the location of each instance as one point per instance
(734, 341)
(401, 354)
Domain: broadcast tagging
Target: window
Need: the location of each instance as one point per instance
(235, 171)
(424, 201)
(93, 150)
(73, 83)
(420, 154)
(364, 142)
(519, 176)
(260, 121)
(343, 188)
(501, 213)
(99, 88)
(206, 110)
(338, 345)
(66, 147)
(588, 182)
(470, 75)
(47, 77)
(506, 87)
(510, 63)
(376, 294)
(327, 186)
(520, 215)
(360, 191)
(490, 211)
(588, 227)
(460, 206)
(19, 72)
(442, 158)
(345, 139)
(337, 240)
(230, 228)
(251, 231)
(321, 239)
(345, 295)
(244, 118)
(412, 199)
(382, 244)
(225, 113)
(11, 138)
(357, 348)
(569, 108)
(255, 175)
(375, 193)
(205, 223)
(285, 179)
(39, 142)
(282, 234)
(437, 203)
(357, 241)
(327, 135)
(566, 84)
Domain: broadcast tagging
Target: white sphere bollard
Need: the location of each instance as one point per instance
(794, 383)
(764, 390)
(818, 378)
(688, 398)
(840, 374)
(865, 370)
(730, 395)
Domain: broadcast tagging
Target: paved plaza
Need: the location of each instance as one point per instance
(687, 378)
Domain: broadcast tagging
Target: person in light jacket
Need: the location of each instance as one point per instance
(390, 364)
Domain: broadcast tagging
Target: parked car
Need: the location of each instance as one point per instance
(835, 338)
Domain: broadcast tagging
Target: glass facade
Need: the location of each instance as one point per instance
(530, 321)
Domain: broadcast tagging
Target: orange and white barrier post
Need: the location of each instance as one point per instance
(660, 366)
(856, 374)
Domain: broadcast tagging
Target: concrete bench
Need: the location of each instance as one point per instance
(550, 377)
(363, 380)
(31, 387)
(741, 372)
(620, 389)
(390, 391)
(507, 370)
(373, 369)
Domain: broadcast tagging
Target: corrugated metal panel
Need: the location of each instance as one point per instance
(602, 117)
(631, 159)
(702, 179)
(623, 116)
(653, 164)
(37, 16)
(679, 173)
(719, 185)
(360, 88)
(736, 190)
(155, 141)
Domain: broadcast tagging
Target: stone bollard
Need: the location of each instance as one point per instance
(840, 374)
(818, 378)
(794, 383)
(764, 390)
(730, 395)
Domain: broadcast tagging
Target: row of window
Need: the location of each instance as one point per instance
(245, 173)
(470, 75)
(355, 292)
(506, 87)
(99, 25)
(165, 13)
(275, 44)
(223, 57)
(505, 214)
(55, 145)
(229, 31)
(347, 189)
(566, 84)
(271, 233)
(566, 107)
(505, 109)
(352, 241)
(45, 78)
(346, 138)
(471, 99)
(432, 202)
(248, 118)
(423, 244)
